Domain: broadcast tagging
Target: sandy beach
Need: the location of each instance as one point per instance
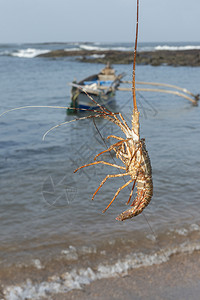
(179, 279)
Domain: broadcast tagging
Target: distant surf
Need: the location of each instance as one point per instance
(29, 52)
(33, 50)
(177, 48)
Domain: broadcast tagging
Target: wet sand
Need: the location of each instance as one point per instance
(154, 58)
(177, 279)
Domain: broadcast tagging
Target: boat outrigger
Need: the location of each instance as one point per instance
(101, 87)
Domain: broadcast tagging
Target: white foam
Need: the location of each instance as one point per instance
(122, 48)
(5, 53)
(72, 49)
(167, 47)
(106, 48)
(88, 250)
(29, 52)
(70, 253)
(76, 278)
(37, 264)
(90, 47)
(182, 231)
(97, 55)
(194, 227)
(151, 237)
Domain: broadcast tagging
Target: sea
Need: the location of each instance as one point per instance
(53, 237)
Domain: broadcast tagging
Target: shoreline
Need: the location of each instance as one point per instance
(154, 58)
(178, 278)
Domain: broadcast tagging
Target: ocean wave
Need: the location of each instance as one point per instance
(122, 48)
(91, 48)
(101, 47)
(186, 231)
(28, 53)
(72, 49)
(177, 48)
(71, 252)
(97, 55)
(5, 53)
(76, 278)
(105, 48)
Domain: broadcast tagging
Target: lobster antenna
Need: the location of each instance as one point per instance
(134, 59)
(50, 106)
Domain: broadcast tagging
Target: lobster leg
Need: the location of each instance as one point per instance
(131, 193)
(109, 176)
(117, 193)
(111, 147)
(100, 162)
(115, 137)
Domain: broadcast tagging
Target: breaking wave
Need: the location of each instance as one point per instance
(177, 48)
(91, 47)
(105, 48)
(33, 51)
(24, 53)
(29, 52)
(76, 278)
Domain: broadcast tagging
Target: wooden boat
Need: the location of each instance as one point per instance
(101, 87)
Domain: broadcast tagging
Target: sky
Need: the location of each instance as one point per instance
(23, 21)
